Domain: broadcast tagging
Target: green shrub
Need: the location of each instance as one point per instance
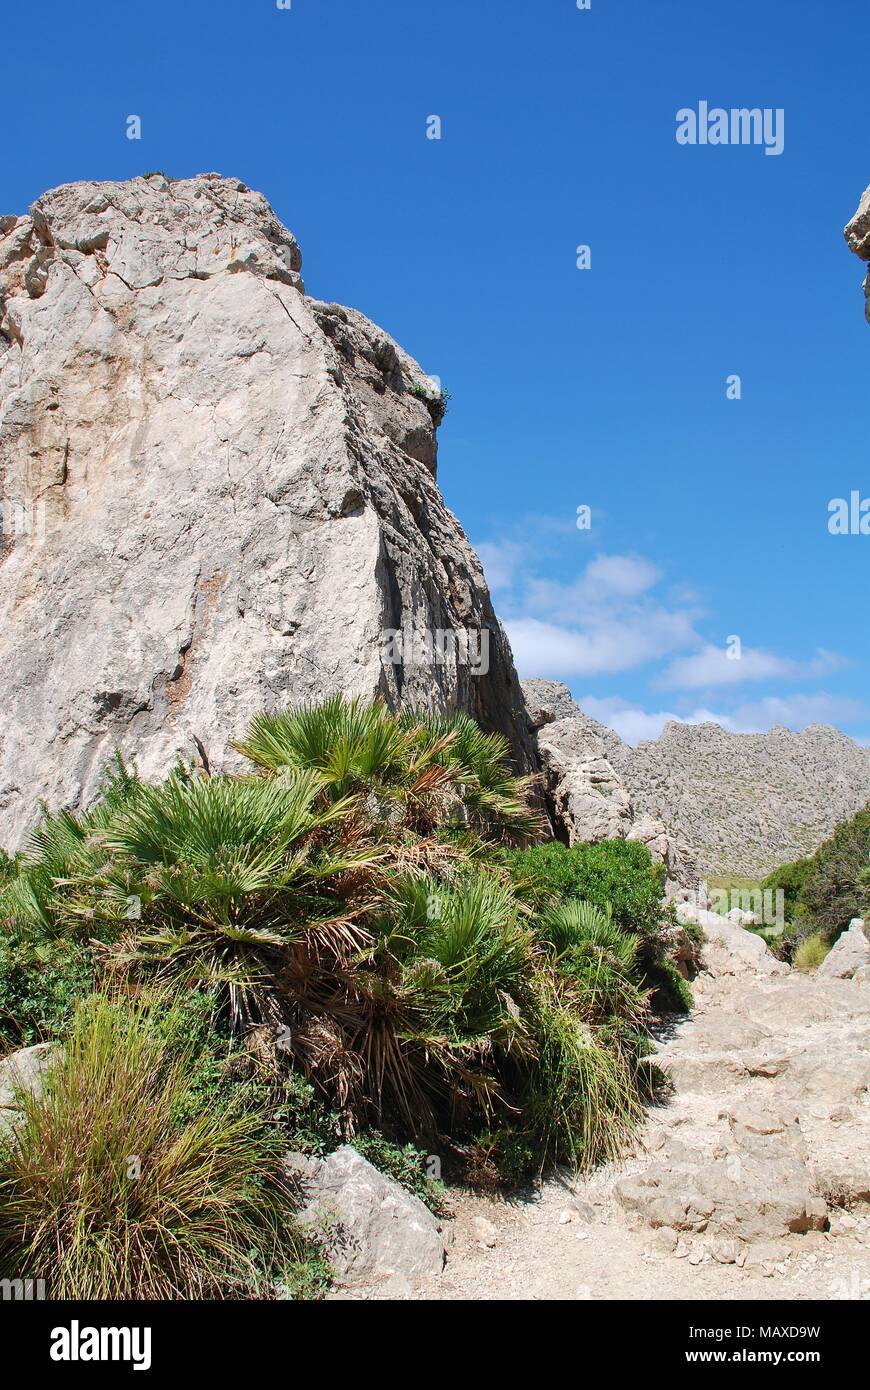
(355, 891)
(811, 952)
(614, 874)
(413, 772)
(406, 1164)
(8, 868)
(791, 879)
(107, 1193)
(499, 1158)
(436, 401)
(673, 993)
(600, 958)
(40, 982)
(823, 893)
(837, 887)
(619, 877)
(582, 1104)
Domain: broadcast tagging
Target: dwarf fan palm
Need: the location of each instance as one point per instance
(226, 876)
(600, 957)
(426, 1013)
(413, 770)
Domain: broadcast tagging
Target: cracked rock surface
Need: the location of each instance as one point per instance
(218, 494)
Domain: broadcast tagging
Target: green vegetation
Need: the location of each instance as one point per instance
(619, 877)
(811, 952)
(109, 1191)
(40, 981)
(791, 879)
(342, 943)
(837, 886)
(436, 401)
(824, 892)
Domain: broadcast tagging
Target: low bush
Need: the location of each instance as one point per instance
(811, 952)
(614, 874)
(357, 893)
(837, 887)
(108, 1192)
(791, 879)
(619, 877)
(40, 982)
(824, 892)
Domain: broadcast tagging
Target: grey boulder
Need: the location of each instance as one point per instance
(23, 1071)
(849, 954)
(372, 1230)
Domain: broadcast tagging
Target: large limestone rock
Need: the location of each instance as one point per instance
(219, 495)
(22, 1072)
(587, 794)
(372, 1228)
(849, 953)
(857, 235)
(729, 949)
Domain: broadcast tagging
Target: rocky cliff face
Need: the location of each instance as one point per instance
(589, 795)
(732, 803)
(745, 803)
(219, 495)
(858, 237)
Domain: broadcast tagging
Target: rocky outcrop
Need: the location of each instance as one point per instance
(765, 1136)
(372, 1229)
(729, 949)
(731, 803)
(588, 798)
(745, 803)
(23, 1072)
(219, 495)
(849, 954)
(857, 235)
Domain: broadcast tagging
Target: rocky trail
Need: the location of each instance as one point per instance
(752, 1180)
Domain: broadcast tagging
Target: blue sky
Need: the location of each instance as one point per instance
(603, 387)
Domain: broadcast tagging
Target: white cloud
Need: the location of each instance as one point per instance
(604, 621)
(501, 562)
(606, 643)
(633, 723)
(713, 666)
(625, 576)
(616, 616)
(797, 711)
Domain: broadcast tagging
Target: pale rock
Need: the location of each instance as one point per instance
(23, 1071)
(226, 491)
(730, 949)
(586, 792)
(857, 235)
(849, 954)
(372, 1228)
(486, 1232)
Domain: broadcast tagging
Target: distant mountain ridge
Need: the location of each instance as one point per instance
(740, 803)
